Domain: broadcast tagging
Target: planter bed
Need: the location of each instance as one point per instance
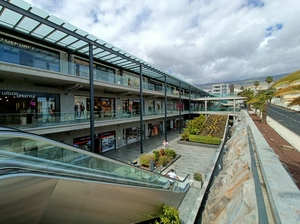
(197, 144)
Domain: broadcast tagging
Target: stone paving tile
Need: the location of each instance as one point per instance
(193, 159)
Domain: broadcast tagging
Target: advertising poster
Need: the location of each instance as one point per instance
(108, 141)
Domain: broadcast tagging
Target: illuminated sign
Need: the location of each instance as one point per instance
(17, 94)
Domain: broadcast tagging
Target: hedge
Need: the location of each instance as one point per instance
(205, 139)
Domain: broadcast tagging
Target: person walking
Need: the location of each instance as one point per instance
(165, 143)
(76, 110)
(82, 109)
(172, 175)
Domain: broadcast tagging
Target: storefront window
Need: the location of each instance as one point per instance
(46, 109)
(103, 107)
(151, 107)
(159, 106)
(132, 134)
(154, 129)
(80, 107)
(18, 52)
(100, 72)
(28, 108)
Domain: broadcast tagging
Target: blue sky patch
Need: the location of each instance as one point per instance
(271, 29)
(140, 18)
(255, 3)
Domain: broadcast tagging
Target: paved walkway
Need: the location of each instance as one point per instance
(193, 159)
(289, 136)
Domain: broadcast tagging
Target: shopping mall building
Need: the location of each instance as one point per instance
(63, 83)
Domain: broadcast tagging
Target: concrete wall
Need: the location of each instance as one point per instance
(232, 198)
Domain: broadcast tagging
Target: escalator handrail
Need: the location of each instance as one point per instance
(14, 133)
(47, 169)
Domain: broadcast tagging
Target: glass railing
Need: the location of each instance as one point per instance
(56, 65)
(26, 152)
(35, 120)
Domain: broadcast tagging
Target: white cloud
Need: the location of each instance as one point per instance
(200, 41)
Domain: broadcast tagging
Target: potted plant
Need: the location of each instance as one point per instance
(198, 180)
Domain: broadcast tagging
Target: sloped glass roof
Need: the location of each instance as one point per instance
(21, 16)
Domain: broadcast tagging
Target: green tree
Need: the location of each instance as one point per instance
(269, 79)
(242, 88)
(249, 94)
(291, 85)
(259, 102)
(269, 93)
(256, 84)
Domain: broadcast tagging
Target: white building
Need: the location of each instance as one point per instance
(222, 89)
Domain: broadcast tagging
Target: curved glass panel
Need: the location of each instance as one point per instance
(31, 153)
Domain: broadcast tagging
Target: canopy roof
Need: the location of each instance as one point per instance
(22, 17)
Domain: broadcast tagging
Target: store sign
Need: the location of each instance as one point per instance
(14, 43)
(17, 94)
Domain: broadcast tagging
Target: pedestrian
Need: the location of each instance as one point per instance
(76, 110)
(165, 143)
(82, 108)
(172, 175)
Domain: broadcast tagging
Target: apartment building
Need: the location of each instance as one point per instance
(63, 83)
(222, 89)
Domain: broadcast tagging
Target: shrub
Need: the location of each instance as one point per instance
(169, 215)
(185, 136)
(145, 159)
(170, 152)
(156, 155)
(196, 125)
(163, 160)
(205, 139)
(198, 176)
(161, 152)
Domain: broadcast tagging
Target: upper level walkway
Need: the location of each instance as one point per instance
(59, 122)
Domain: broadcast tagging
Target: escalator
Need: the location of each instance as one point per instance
(45, 181)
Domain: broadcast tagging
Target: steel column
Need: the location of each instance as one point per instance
(141, 111)
(190, 104)
(165, 120)
(180, 107)
(91, 62)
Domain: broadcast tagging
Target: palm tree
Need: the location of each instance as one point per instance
(259, 102)
(269, 79)
(256, 84)
(249, 94)
(269, 93)
(291, 85)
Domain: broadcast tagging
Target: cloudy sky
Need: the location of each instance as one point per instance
(199, 41)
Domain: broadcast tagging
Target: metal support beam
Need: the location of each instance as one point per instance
(180, 108)
(165, 121)
(190, 104)
(142, 131)
(91, 62)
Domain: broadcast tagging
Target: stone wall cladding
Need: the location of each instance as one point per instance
(232, 198)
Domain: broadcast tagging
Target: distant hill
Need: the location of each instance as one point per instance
(245, 82)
